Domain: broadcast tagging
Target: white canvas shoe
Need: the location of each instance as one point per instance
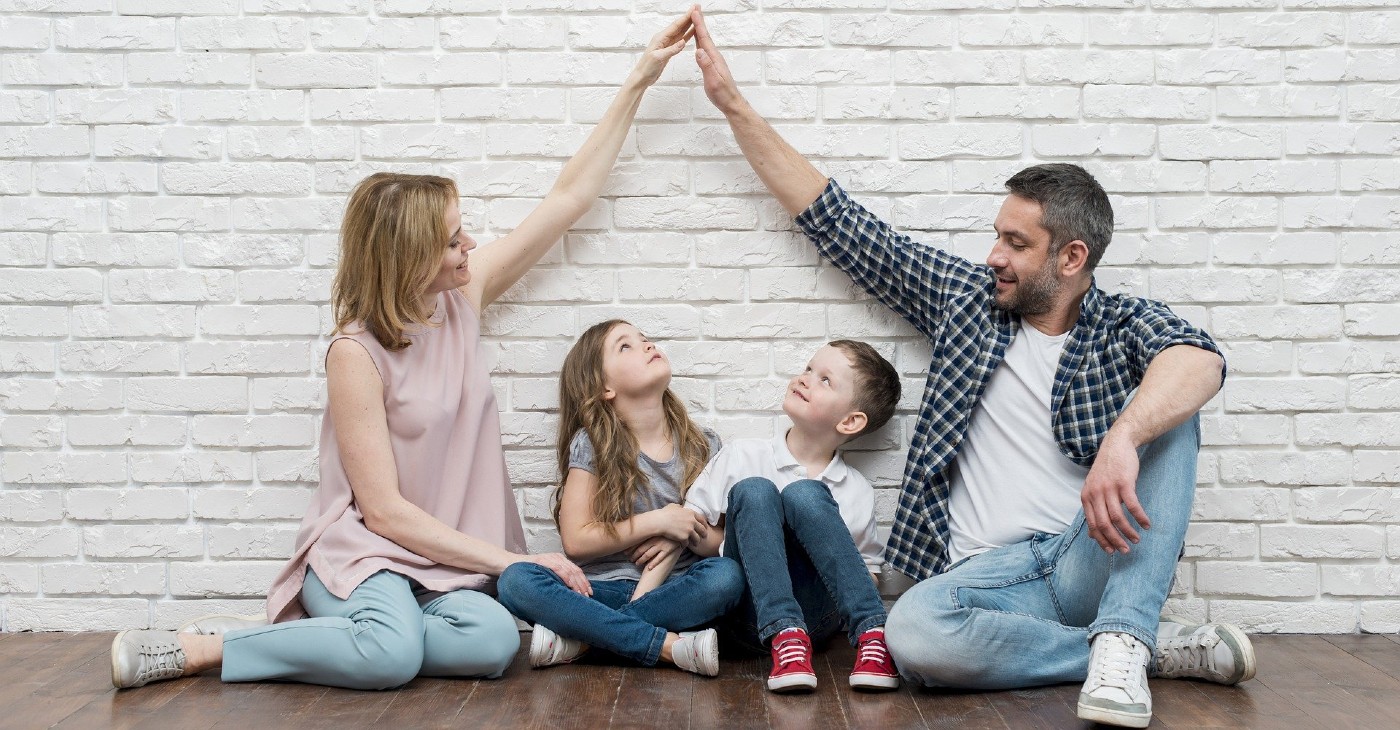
(698, 652)
(548, 648)
(1220, 653)
(1116, 691)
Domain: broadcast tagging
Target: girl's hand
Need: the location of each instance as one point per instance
(663, 47)
(651, 552)
(680, 524)
(571, 574)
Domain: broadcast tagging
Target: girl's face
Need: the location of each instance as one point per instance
(453, 272)
(632, 364)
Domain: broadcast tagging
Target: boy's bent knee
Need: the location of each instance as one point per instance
(753, 491)
(806, 495)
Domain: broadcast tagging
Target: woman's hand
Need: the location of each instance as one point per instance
(571, 574)
(677, 523)
(663, 47)
(651, 552)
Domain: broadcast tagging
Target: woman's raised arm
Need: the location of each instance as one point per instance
(496, 267)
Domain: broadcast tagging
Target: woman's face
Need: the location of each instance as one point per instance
(453, 272)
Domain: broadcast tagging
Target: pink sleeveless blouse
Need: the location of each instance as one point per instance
(446, 438)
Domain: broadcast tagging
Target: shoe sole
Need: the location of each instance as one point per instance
(538, 649)
(874, 682)
(792, 683)
(1113, 717)
(116, 671)
(1240, 639)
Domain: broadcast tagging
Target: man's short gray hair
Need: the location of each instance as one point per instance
(1073, 206)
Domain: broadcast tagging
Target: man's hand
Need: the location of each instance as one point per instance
(1110, 488)
(651, 552)
(571, 574)
(719, 82)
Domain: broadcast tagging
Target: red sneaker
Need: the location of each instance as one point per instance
(874, 668)
(792, 662)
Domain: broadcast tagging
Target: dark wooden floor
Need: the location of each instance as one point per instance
(63, 680)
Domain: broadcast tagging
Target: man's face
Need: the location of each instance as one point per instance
(1026, 273)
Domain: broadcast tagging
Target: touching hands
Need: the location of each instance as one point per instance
(663, 47)
(719, 82)
(652, 552)
(1110, 488)
(679, 524)
(571, 574)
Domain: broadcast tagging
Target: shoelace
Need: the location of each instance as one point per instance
(161, 663)
(791, 650)
(1117, 663)
(873, 650)
(1189, 654)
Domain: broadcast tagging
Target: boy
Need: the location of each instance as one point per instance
(801, 523)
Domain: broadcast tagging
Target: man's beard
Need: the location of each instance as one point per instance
(1034, 295)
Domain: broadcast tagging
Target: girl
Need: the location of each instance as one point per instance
(627, 452)
(414, 514)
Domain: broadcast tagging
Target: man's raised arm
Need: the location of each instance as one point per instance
(789, 176)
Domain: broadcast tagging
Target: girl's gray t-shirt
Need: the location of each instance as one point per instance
(664, 482)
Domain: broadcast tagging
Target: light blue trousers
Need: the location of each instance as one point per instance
(1022, 615)
(380, 637)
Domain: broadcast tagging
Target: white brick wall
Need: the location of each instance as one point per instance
(172, 175)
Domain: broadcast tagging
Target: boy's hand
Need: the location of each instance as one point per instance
(652, 552)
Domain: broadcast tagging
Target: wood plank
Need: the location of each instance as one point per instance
(1178, 703)
(87, 679)
(192, 703)
(654, 697)
(342, 708)
(861, 709)
(22, 646)
(1312, 679)
(272, 705)
(60, 655)
(821, 708)
(436, 703)
(1377, 651)
(525, 697)
(1039, 707)
(949, 708)
(734, 699)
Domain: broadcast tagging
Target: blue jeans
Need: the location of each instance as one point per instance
(380, 637)
(610, 620)
(800, 563)
(1023, 615)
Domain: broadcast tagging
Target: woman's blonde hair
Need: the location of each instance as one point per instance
(615, 448)
(391, 242)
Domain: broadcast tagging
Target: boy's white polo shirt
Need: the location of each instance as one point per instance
(741, 459)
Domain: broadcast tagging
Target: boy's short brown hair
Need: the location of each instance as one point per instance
(877, 383)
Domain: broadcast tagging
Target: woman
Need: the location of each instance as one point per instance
(414, 516)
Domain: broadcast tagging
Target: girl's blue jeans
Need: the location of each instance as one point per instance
(1023, 615)
(800, 563)
(610, 620)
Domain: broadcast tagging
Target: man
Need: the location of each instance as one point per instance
(1051, 473)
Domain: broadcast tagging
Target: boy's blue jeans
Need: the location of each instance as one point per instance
(610, 620)
(1023, 615)
(801, 566)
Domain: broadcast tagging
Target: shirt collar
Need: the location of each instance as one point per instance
(834, 473)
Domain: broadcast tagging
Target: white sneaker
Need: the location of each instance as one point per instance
(222, 623)
(548, 648)
(1116, 691)
(1220, 653)
(698, 652)
(140, 657)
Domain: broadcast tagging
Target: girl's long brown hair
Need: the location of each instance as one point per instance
(391, 241)
(582, 406)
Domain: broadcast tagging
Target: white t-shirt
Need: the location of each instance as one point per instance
(741, 459)
(1010, 479)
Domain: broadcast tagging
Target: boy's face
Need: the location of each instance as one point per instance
(823, 394)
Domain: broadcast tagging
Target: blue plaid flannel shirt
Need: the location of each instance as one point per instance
(949, 299)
